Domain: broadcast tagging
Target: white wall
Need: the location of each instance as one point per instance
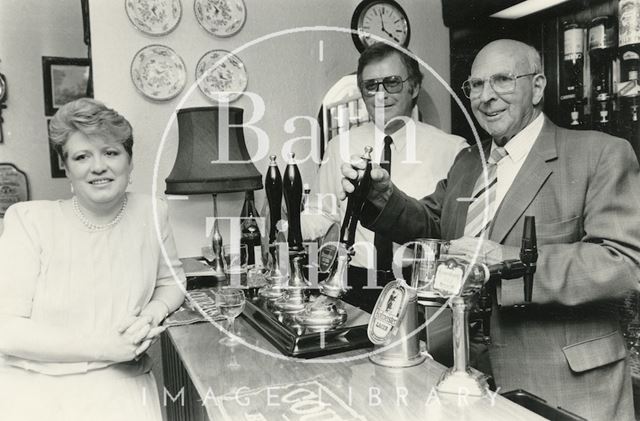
(285, 71)
(30, 29)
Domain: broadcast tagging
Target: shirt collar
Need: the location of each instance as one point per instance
(399, 137)
(520, 144)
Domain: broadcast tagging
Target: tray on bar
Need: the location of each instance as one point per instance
(293, 340)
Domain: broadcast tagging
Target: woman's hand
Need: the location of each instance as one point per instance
(150, 339)
(126, 342)
(136, 326)
(156, 311)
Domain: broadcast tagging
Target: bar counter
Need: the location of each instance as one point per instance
(205, 380)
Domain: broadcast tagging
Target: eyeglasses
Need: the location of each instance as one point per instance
(392, 84)
(501, 83)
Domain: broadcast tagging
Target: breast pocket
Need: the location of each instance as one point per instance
(564, 231)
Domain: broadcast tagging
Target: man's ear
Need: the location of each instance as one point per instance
(539, 83)
(415, 90)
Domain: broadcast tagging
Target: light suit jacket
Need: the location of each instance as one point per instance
(584, 190)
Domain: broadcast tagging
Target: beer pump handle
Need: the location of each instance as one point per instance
(356, 202)
(292, 189)
(524, 267)
(273, 189)
(529, 255)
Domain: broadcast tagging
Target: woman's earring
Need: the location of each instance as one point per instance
(130, 180)
(72, 191)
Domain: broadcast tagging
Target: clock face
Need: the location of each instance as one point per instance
(384, 19)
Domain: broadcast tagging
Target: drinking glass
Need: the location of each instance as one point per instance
(236, 258)
(230, 302)
(427, 253)
(235, 268)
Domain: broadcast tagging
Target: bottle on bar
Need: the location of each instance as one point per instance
(249, 230)
(602, 44)
(629, 39)
(572, 61)
(292, 189)
(629, 54)
(273, 190)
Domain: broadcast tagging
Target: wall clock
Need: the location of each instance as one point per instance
(383, 18)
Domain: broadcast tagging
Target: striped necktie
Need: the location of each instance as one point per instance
(484, 197)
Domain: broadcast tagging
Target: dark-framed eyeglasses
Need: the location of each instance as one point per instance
(392, 84)
(501, 83)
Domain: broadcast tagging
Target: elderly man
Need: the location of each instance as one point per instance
(389, 82)
(583, 189)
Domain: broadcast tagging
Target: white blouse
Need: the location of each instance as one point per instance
(56, 271)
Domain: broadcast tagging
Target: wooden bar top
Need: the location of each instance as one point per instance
(253, 381)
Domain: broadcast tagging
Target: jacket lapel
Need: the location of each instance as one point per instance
(525, 187)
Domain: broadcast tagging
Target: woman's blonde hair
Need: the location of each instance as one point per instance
(91, 117)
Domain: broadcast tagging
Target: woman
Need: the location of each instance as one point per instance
(84, 286)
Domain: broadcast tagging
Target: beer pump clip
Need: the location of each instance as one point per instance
(459, 281)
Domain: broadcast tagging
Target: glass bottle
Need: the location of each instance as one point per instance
(572, 61)
(602, 43)
(629, 39)
(249, 230)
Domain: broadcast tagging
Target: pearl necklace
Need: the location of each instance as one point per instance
(97, 227)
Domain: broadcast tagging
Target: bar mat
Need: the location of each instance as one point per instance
(197, 304)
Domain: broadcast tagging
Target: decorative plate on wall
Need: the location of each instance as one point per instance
(221, 76)
(158, 72)
(222, 18)
(154, 17)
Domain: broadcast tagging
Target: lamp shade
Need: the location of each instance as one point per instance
(198, 168)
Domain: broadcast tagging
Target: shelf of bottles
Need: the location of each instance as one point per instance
(599, 66)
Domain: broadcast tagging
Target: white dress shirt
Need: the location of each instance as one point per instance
(518, 148)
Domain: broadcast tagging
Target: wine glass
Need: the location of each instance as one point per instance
(230, 302)
(236, 259)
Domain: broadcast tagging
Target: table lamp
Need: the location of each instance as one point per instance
(212, 158)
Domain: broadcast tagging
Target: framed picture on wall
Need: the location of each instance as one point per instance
(65, 79)
(57, 166)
